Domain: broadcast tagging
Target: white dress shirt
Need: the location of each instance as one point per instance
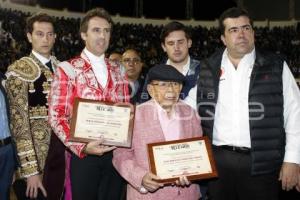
(191, 98)
(99, 67)
(41, 58)
(231, 125)
(185, 68)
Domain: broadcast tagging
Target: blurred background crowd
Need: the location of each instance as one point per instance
(145, 38)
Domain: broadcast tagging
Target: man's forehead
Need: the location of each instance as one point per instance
(42, 26)
(99, 23)
(175, 36)
(39, 24)
(237, 21)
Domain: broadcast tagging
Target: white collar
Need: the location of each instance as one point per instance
(93, 58)
(185, 67)
(247, 58)
(41, 58)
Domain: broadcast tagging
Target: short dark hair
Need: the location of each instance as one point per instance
(174, 26)
(233, 12)
(38, 17)
(134, 50)
(96, 12)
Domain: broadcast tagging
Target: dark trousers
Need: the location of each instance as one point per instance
(95, 178)
(7, 166)
(235, 181)
(54, 173)
(289, 195)
(20, 191)
(54, 170)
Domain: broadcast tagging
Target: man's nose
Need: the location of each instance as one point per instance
(101, 34)
(170, 87)
(176, 45)
(241, 31)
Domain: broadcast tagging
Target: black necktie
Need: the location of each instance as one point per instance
(49, 65)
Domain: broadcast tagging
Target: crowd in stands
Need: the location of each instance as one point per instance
(145, 38)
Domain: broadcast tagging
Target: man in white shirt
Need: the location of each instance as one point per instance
(176, 40)
(249, 103)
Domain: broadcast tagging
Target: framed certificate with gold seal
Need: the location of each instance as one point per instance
(186, 157)
(92, 120)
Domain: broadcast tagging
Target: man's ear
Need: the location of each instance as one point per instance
(163, 46)
(83, 36)
(29, 37)
(223, 39)
(190, 42)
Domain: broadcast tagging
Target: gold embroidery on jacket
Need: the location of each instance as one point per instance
(25, 68)
(29, 125)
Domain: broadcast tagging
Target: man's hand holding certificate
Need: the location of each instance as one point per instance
(97, 148)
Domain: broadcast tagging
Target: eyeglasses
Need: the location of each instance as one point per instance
(165, 85)
(133, 61)
(114, 61)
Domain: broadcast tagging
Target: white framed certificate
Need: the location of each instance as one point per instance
(187, 157)
(93, 119)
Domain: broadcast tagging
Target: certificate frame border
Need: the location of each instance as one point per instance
(74, 118)
(208, 145)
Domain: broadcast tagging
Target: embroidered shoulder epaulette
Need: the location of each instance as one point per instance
(68, 69)
(25, 68)
(78, 63)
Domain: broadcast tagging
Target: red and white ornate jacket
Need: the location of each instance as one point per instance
(75, 78)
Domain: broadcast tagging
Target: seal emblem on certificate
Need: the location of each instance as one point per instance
(186, 157)
(94, 119)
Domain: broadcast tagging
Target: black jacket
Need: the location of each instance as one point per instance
(266, 127)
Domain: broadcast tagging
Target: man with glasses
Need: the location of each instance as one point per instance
(133, 65)
(115, 59)
(249, 103)
(163, 118)
(88, 76)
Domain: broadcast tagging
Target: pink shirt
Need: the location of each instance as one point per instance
(169, 125)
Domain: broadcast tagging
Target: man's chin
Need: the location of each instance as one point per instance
(178, 60)
(168, 104)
